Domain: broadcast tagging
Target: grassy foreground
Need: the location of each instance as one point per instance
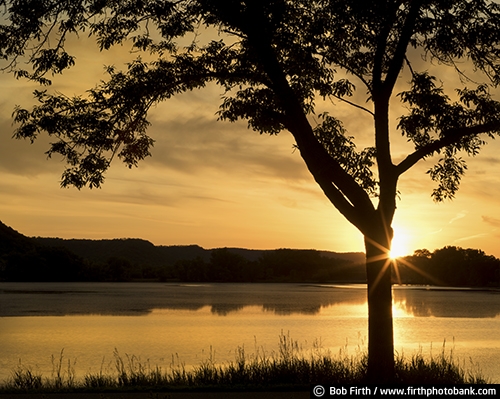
(289, 368)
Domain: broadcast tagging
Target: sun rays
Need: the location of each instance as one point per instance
(398, 262)
(399, 246)
(398, 257)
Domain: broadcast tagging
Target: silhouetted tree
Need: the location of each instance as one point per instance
(226, 266)
(118, 269)
(299, 265)
(191, 269)
(276, 59)
(223, 266)
(42, 264)
(452, 266)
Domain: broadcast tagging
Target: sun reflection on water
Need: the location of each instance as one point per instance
(399, 310)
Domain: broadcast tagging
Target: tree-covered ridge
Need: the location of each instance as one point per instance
(449, 266)
(21, 259)
(135, 250)
(279, 265)
(54, 259)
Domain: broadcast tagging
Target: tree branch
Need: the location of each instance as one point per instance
(400, 52)
(450, 137)
(353, 104)
(379, 55)
(340, 202)
(353, 72)
(321, 165)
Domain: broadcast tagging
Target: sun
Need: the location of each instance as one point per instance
(399, 245)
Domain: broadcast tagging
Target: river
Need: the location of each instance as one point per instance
(164, 324)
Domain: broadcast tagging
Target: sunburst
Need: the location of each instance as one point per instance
(399, 246)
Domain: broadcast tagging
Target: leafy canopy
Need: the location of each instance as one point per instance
(274, 60)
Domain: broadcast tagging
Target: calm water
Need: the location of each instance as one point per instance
(191, 322)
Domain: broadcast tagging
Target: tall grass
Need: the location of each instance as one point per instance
(288, 368)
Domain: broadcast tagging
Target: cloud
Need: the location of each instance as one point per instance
(189, 139)
(491, 221)
(459, 216)
(201, 142)
(19, 157)
(468, 238)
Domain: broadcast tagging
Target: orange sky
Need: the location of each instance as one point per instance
(219, 184)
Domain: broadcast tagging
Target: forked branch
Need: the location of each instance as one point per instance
(450, 137)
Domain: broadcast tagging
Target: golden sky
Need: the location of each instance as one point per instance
(220, 184)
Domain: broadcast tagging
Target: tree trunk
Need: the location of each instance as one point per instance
(380, 329)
